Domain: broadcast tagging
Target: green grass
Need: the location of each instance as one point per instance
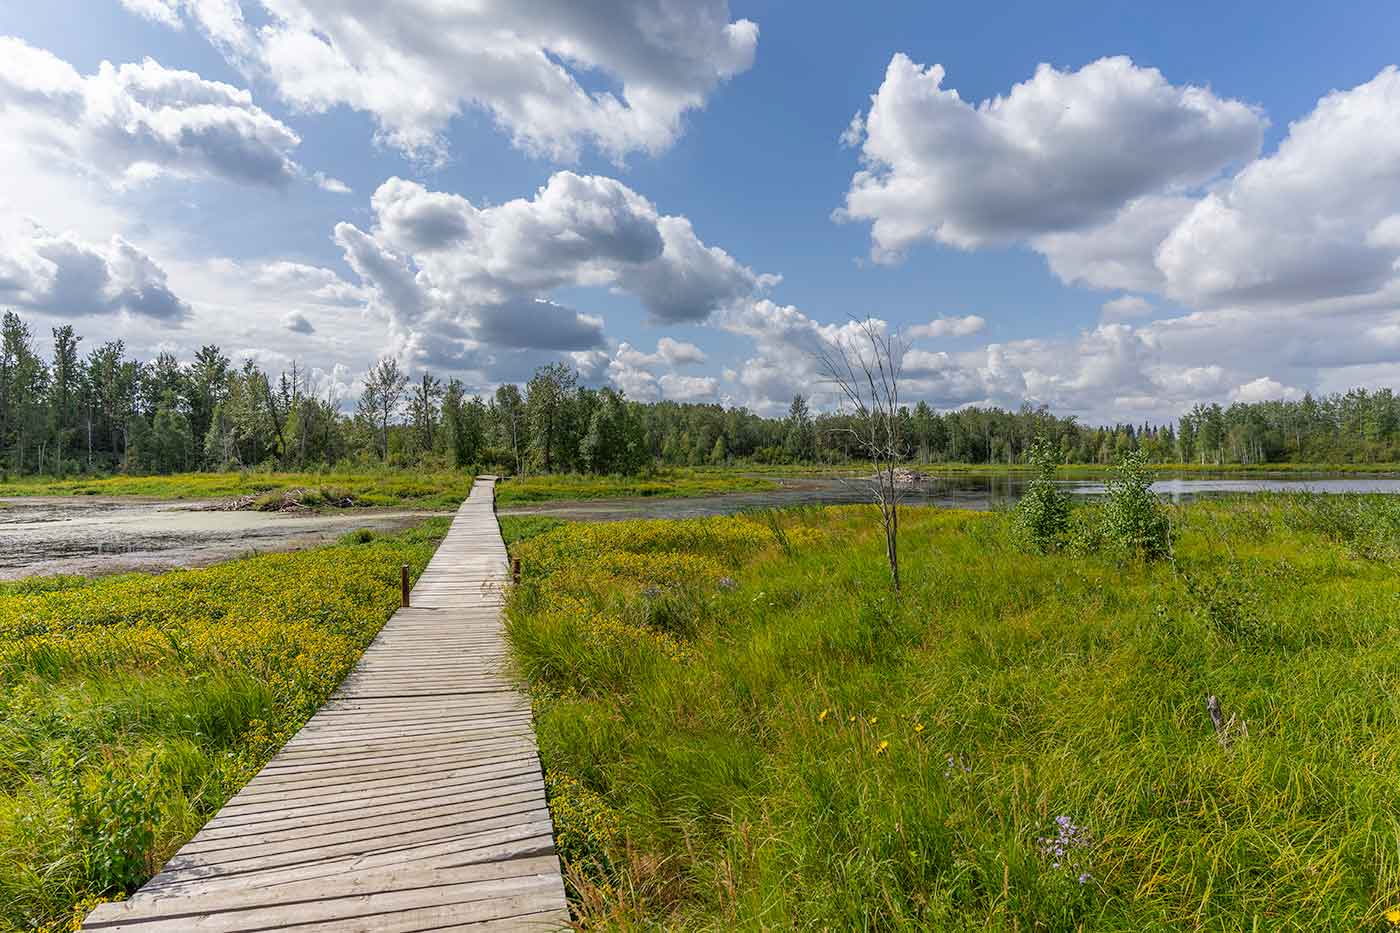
(444, 489)
(133, 706)
(742, 728)
(670, 483)
(523, 527)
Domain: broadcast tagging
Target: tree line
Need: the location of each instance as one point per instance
(102, 411)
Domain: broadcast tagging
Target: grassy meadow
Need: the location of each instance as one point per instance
(432, 490)
(132, 707)
(441, 489)
(742, 727)
(677, 482)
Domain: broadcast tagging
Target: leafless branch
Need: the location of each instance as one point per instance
(866, 373)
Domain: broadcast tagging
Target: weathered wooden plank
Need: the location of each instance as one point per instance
(502, 845)
(354, 885)
(413, 800)
(424, 793)
(405, 807)
(295, 850)
(279, 798)
(421, 909)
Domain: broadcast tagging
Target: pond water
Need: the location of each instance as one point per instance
(950, 490)
(98, 534)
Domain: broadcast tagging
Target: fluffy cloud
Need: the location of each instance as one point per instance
(577, 230)
(1062, 151)
(1152, 370)
(948, 327)
(788, 348)
(1264, 389)
(536, 323)
(297, 323)
(445, 271)
(1314, 223)
(1119, 253)
(531, 64)
(63, 275)
(678, 352)
(668, 352)
(688, 388)
(294, 280)
(634, 371)
(130, 122)
(635, 381)
(1127, 306)
(1287, 267)
(1314, 220)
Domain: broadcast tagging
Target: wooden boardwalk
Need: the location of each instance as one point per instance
(413, 800)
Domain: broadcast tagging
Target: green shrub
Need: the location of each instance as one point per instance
(112, 817)
(1133, 520)
(1043, 512)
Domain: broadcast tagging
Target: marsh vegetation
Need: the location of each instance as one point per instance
(742, 726)
(133, 706)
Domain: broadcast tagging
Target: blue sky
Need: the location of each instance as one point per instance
(993, 237)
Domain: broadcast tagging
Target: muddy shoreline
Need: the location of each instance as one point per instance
(95, 535)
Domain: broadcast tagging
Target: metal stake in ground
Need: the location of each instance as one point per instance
(403, 585)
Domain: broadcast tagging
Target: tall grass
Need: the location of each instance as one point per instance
(738, 734)
(676, 482)
(132, 707)
(444, 489)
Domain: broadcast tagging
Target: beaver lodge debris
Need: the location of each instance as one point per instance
(299, 499)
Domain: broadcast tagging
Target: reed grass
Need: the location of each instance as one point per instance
(743, 728)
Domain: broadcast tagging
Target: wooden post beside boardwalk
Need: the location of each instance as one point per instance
(413, 800)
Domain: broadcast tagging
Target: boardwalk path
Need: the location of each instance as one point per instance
(413, 800)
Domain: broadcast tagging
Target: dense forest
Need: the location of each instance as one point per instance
(100, 411)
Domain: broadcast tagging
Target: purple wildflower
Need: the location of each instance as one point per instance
(1068, 848)
(957, 763)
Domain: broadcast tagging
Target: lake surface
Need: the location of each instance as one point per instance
(97, 534)
(951, 490)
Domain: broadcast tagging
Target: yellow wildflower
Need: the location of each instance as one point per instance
(1393, 915)
(872, 720)
(852, 719)
(882, 748)
(918, 727)
(821, 717)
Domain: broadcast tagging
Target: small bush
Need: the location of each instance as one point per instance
(112, 819)
(1228, 603)
(1043, 512)
(1133, 520)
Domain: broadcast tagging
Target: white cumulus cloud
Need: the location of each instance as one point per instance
(963, 326)
(1062, 151)
(456, 280)
(65, 276)
(1127, 306)
(128, 123)
(533, 65)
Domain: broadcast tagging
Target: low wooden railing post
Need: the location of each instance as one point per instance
(515, 569)
(403, 585)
